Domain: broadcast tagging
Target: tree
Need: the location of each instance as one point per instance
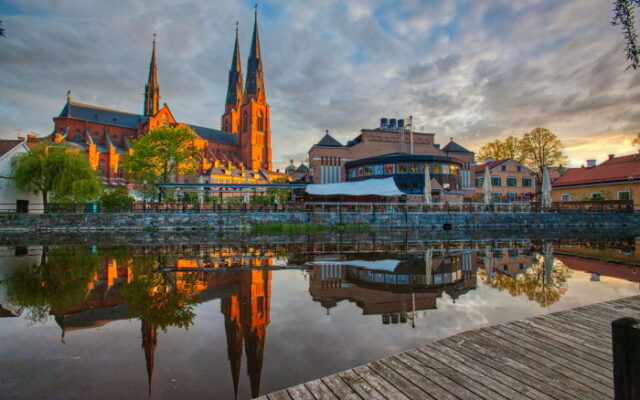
(511, 147)
(542, 148)
(624, 16)
(162, 154)
(116, 199)
(636, 141)
(57, 171)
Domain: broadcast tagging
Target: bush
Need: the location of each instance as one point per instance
(116, 199)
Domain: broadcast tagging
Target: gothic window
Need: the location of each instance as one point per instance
(245, 120)
(101, 168)
(165, 119)
(260, 122)
(120, 171)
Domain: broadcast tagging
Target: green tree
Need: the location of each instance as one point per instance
(59, 172)
(116, 199)
(636, 141)
(624, 16)
(162, 154)
(511, 147)
(542, 148)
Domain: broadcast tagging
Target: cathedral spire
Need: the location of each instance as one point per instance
(255, 82)
(152, 89)
(234, 90)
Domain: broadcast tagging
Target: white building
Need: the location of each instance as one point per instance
(9, 195)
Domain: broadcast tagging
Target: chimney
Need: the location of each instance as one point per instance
(592, 163)
(611, 156)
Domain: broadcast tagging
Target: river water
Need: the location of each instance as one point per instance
(226, 319)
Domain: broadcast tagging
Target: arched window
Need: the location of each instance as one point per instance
(245, 122)
(120, 171)
(260, 121)
(101, 168)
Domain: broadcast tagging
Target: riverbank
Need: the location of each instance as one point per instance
(230, 221)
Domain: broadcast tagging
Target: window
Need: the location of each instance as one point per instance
(505, 267)
(120, 172)
(368, 171)
(497, 254)
(245, 122)
(402, 168)
(479, 182)
(519, 168)
(624, 195)
(445, 169)
(360, 171)
(260, 121)
(389, 169)
(596, 196)
(101, 168)
(378, 169)
(435, 168)
(353, 172)
(565, 197)
(503, 168)
(413, 167)
(512, 181)
(521, 266)
(513, 253)
(526, 182)
(496, 181)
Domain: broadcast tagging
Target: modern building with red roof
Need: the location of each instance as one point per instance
(618, 178)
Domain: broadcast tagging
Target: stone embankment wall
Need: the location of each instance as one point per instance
(235, 221)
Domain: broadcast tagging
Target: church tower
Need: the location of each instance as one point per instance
(151, 89)
(255, 120)
(231, 117)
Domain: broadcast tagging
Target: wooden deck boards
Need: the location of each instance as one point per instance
(563, 355)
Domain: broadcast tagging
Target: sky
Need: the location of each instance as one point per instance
(472, 70)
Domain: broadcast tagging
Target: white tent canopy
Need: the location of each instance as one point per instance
(369, 187)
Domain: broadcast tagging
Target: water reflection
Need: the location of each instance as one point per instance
(159, 287)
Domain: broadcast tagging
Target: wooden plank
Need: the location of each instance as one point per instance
(403, 385)
(421, 381)
(469, 388)
(600, 346)
(594, 372)
(489, 377)
(340, 388)
(300, 392)
(570, 380)
(360, 385)
(319, 390)
(279, 395)
(510, 367)
(568, 329)
(576, 343)
(379, 383)
(561, 346)
(587, 324)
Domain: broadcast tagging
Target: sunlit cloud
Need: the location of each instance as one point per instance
(475, 71)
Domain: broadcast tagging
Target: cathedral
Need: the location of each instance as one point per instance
(239, 152)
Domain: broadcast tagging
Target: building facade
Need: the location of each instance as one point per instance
(9, 194)
(510, 180)
(239, 152)
(330, 161)
(618, 178)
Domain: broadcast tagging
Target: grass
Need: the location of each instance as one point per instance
(309, 228)
(151, 229)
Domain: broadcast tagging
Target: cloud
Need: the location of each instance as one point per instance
(472, 70)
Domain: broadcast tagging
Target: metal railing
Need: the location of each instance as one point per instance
(325, 207)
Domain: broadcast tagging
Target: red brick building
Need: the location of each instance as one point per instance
(239, 152)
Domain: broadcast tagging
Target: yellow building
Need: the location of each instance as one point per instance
(618, 178)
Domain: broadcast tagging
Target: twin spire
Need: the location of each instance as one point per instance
(255, 80)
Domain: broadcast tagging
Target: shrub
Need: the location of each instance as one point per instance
(116, 199)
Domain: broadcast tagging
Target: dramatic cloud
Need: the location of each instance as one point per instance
(475, 71)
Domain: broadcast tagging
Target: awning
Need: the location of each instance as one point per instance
(379, 265)
(369, 187)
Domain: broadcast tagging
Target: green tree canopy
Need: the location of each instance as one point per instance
(625, 17)
(162, 154)
(57, 171)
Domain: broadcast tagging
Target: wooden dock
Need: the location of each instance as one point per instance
(563, 355)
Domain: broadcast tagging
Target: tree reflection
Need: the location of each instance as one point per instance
(543, 287)
(59, 283)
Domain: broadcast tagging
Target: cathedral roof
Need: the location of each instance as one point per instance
(453, 147)
(255, 82)
(87, 112)
(215, 135)
(234, 90)
(302, 168)
(328, 141)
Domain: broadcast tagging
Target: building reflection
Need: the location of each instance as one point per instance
(395, 289)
